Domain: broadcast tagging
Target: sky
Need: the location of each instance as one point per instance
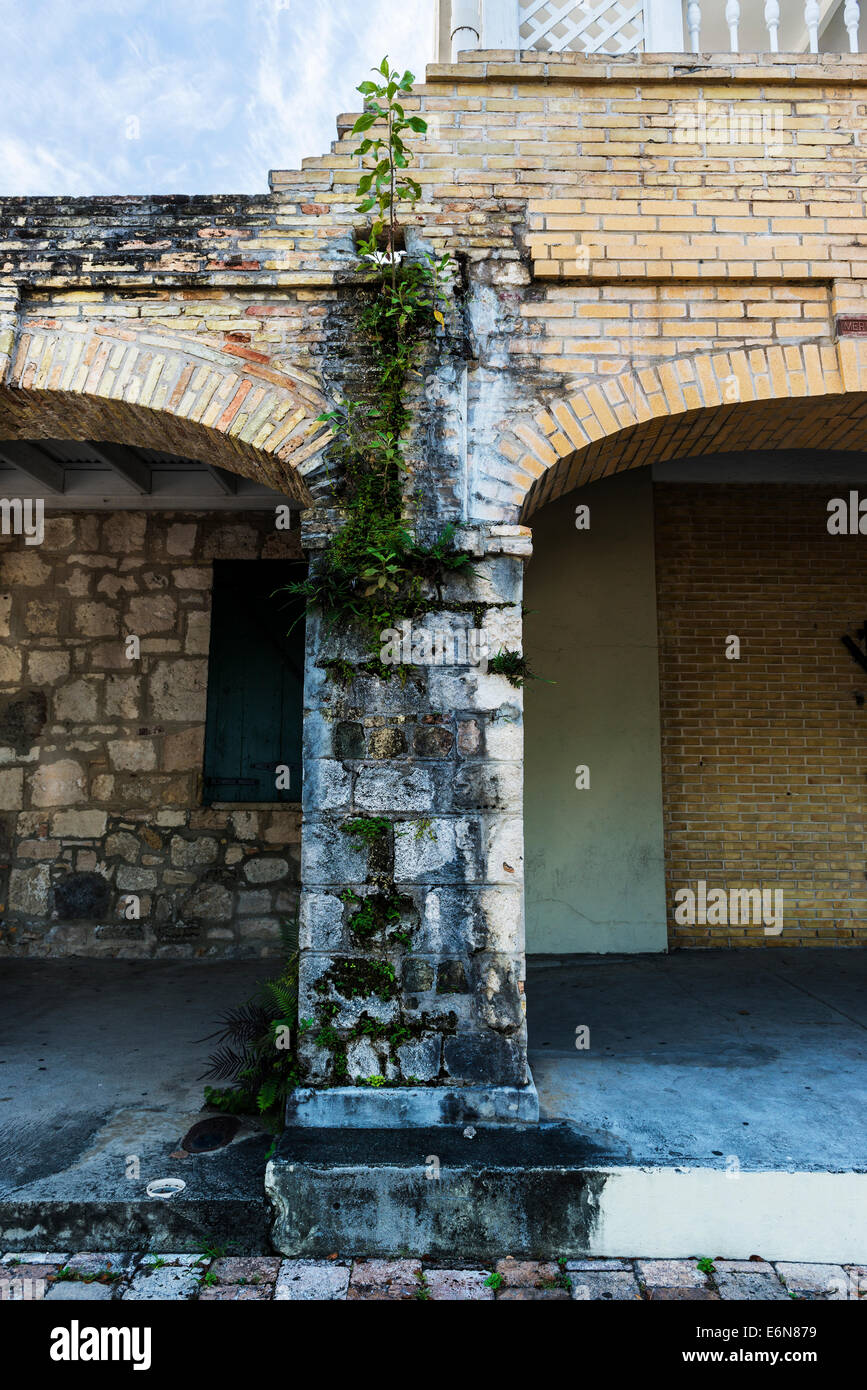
(186, 96)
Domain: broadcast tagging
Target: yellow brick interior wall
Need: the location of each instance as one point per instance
(764, 759)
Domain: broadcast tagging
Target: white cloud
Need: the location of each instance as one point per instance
(217, 91)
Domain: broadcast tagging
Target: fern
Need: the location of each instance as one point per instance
(252, 1052)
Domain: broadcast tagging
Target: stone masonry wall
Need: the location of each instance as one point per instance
(431, 988)
(101, 756)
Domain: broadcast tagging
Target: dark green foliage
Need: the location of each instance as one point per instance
(258, 1050)
(515, 668)
(373, 571)
(366, 830)
(358, 978)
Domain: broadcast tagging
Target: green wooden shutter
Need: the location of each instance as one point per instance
(255, 682)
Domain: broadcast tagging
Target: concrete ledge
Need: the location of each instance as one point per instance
(94, 1207)
(544, 1192)
(412, 1107)
(431, 1191)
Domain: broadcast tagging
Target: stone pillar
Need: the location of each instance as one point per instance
(412, 928)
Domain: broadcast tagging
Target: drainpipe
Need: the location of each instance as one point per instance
(466, 26)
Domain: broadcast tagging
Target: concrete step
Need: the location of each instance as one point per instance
(95, 1207)
(544, 1192)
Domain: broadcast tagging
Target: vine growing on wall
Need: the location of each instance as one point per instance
(373, 571)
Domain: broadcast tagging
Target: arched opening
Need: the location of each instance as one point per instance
(695, 885)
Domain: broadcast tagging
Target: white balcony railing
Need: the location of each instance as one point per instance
(649, 26)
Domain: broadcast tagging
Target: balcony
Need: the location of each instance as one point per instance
(649, 26)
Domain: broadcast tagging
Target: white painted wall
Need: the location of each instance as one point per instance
(678, 1213)
(594, 859)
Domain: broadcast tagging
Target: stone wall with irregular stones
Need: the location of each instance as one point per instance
(101, 756)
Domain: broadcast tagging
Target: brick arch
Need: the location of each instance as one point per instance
(812, 395)
(228, 406)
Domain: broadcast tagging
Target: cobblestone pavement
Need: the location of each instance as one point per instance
(59, 1276)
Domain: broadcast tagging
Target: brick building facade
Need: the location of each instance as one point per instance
(635, 291)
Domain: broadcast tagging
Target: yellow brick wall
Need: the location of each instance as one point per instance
(764, 761)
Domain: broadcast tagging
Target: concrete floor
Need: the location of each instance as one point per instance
(694, 1057)
(101, 1062)
(756, 1058)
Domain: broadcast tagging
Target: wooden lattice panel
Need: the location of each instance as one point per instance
(597, 26)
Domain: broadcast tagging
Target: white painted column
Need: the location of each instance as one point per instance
(693, 19)
(501, 24)
(733, 19)
(466, 26)
(663, 26)
(851, 18)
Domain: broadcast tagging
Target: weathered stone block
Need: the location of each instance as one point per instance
(198, 635)
(263, 869)
(245, 824)
(11, 788)
(44, 668)
(433, 741)
(386, 743)
(327, 785)
(132, 755)
(96, 620)
(504, 735)
(77, 701)
(451, 977)
(10, 665)
(29, 890)
(151, 613)
(211, 902)
(349, 740)
(134, 880)
(231, 542)
(499, 994)
(330, 857)
(177, 689)
(489, 1058)
(123, 699)
(448, 850)
(79, 825)
(192, 579)
(180, 538)
(322, 1280)
(362, 1060)
(321, 922)
(488, 786)
(284, 828)
(61, 783)
(23, 568)
(418, 976)
(420, 1059)
(249, 904)
(504, 850)
(193, 854)
(41, 617)
(124, 533)
(124, 845)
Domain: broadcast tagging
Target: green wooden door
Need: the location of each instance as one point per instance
(255, 682)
